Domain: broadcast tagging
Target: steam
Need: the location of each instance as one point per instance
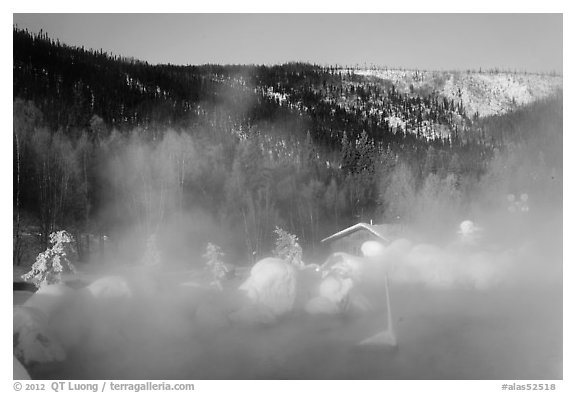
(467, 284)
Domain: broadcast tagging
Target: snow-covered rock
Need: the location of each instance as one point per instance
(91, 317)
(346, 265)
(345, 277)
(332, 295)
(338, 295)
(270, 289)
(110, 287)
(335, 288)
(34, 341)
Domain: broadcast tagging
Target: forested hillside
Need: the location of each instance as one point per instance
(106, 145)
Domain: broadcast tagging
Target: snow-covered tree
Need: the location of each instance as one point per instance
(287, 247)
(215, 265)
(51, 263)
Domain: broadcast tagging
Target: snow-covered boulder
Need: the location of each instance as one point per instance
(335, 288)
(346, 265)
(35, 338)
(270, 289)
(332, 296)
(34, 341)
(338, 295)
(345, 279)
(110, 288)
(96, 317)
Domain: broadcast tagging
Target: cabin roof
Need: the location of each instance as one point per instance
(381, 231)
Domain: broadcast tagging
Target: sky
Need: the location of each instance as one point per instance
(523, 42)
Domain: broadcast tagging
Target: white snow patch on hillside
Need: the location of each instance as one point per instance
(485, 93)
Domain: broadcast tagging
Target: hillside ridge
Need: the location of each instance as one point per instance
(482, 93)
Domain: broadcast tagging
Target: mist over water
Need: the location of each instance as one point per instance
(150, 323)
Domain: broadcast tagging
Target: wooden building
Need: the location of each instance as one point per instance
(350, 240)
